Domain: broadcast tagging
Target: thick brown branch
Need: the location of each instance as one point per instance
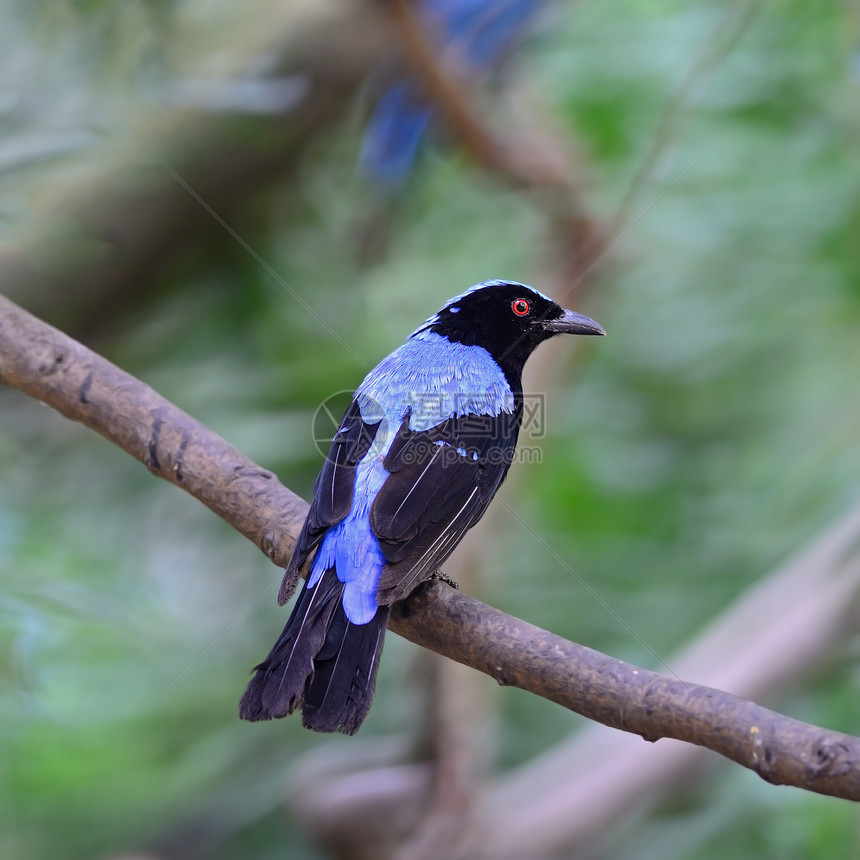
(623, 696)
(48, 365)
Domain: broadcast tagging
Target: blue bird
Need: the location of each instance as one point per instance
(416, 460)
(482, 35)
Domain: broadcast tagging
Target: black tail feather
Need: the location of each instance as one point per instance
(321, 663)
(277, 688)
(339, 694)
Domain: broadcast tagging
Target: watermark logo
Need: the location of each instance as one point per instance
(534, 416)
(469, 440)
(327, 418)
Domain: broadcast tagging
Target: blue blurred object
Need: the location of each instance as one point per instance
(484, 31)
(394, 134)
(482, 34)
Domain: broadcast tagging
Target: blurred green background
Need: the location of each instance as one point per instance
(709, 437)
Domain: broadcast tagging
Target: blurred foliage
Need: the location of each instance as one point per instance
(711, 435)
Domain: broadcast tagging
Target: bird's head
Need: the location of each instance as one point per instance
(506, 318)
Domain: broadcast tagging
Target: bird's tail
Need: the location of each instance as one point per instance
(322, 663)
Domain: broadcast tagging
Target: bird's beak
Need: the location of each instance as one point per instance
(570, 322)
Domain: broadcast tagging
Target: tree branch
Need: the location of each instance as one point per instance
(575, 791)
(48, 365)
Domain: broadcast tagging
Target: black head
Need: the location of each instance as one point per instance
(508, 319)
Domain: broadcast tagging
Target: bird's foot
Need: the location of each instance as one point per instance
(443, 577)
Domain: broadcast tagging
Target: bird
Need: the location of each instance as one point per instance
(419, 454)
(482, 35)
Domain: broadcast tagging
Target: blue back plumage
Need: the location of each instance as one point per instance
(430, 379)
(433, 379)
(353, 549)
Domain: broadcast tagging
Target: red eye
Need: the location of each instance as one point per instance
(520, 307)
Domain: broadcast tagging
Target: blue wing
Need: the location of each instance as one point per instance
(333, 492)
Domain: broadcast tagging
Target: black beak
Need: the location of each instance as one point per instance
(570, 322)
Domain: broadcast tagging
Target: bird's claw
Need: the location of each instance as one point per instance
(443, 577)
